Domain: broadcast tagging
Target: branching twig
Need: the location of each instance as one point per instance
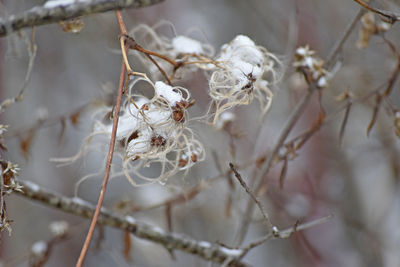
(281, 139)
(244, 185)
(285, 233)
(76, 206)
(132, 44)
(32, 48)
(270, 160)
(41, 15)
(347, 97)
(339, 44)
(393, 17)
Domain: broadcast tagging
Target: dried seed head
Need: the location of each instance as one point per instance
(311, 66)
(182, 163)
(241, 75)
(194, 157)
(370, 26)
(158, 141)
(178, 48)
(145, 107)
(178, 115)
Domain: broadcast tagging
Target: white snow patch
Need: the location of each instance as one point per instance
(183, 44)
(130, 219)
(167, 92)
(322, 82)
(204, 244)
(39, 248)
(139, 145)
(225, 118)
(34, 187)
(242, 57)
(231, 252)
(81, 202)
(158, 230)
(59, 228)
(56, 3)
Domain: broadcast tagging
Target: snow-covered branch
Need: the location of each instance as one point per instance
(171, 241)
(58, 10)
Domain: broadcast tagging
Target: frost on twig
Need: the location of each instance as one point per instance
(151, 133)
(243, 71)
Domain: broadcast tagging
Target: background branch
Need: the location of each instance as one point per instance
(171, 241)
(41, 15)
(289, 125)
(393, 17)
(110, 150)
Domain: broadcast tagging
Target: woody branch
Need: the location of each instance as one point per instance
(40, 15)
(171, 241)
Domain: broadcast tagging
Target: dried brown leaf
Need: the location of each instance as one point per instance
(74, 25)
(74, 117)
(26, 143)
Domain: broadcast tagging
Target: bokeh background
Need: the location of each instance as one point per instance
(357, 181)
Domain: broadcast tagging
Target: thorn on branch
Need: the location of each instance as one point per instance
(347, 97)
(378, 101)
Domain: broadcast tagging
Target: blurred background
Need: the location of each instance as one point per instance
(357, 180)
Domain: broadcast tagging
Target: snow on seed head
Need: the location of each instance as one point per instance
(179, 48)
(167, 92)
(185, 45)
(243, 71)
(242, 49)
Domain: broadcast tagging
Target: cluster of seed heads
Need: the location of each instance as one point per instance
(240, 72)
(312, 66)
(154, 131)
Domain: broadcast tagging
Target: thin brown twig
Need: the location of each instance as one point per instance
(285, 233)
(393, 17)
(295, 115)
(339, 44)
(378, 102)
(259, 180)
(248, 190)
(152, 53)
(132, 44)
(344, 122)
(110, 153)
(159, 68)
(331, 117)
(32, 49)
